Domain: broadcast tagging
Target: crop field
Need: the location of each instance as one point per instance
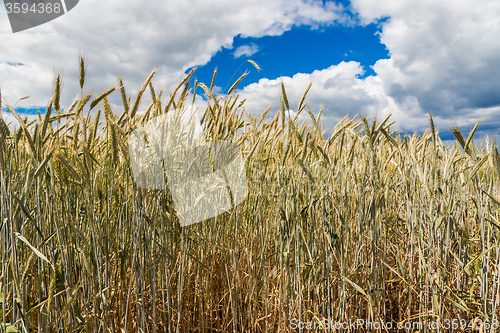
(365, 223)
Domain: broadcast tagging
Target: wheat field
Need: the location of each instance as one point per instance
(366, 223)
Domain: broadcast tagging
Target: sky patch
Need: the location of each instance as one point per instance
(362, 57)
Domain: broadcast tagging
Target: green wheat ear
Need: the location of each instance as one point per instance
(57, 93)
(83, 70)
(495, 157)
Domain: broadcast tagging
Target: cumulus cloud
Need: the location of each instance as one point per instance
(246, 50)
(445, 55)
(337, 90)
(128, 38)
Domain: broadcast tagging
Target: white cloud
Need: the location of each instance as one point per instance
(336, 89)
(246, 50)
(128, 38)
(445, 55)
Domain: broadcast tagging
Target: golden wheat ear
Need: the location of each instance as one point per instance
(367, 223)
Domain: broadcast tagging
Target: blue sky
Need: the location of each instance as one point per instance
(363, 57)
(299, 50)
